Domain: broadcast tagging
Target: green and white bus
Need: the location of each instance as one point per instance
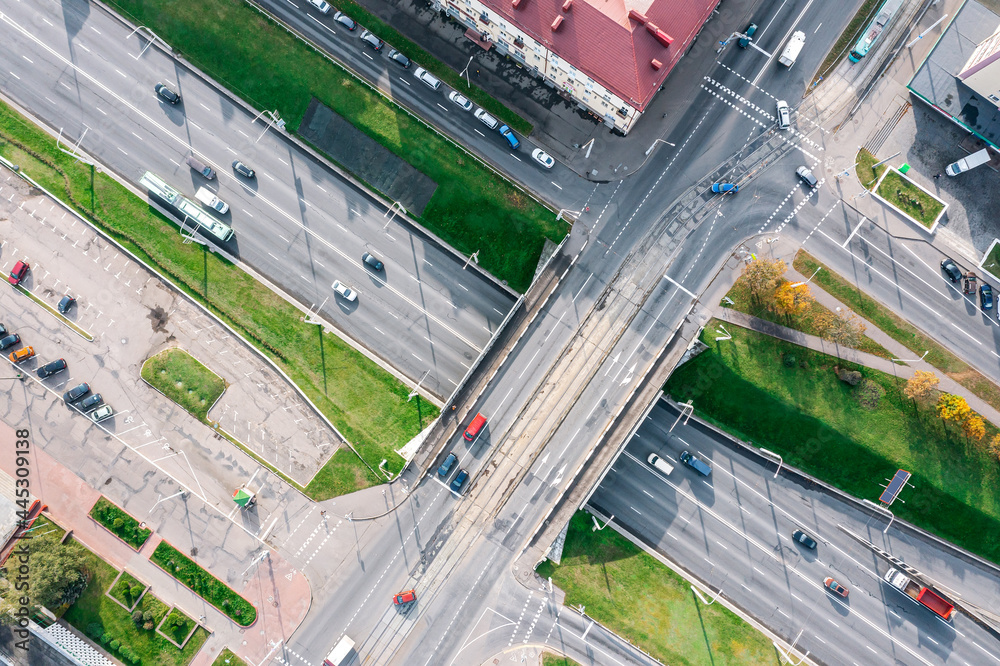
(189, 209)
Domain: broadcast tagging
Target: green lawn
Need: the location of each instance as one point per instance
(177, 626)
(899, 329)
(127, 589)
(909, 198)
(366, 404)
(807, 322)
(866, 170)
(549, 659)
(120, 523)
(227, 658)
(204, 584)
(185, 380)
(814, 420)
(991, 263)
(472, 208)
(635, 596)
(850, 36)
(100, 617)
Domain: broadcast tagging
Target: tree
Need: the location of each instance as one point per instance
(952, 408)
(761, 278)
(995, 446)
(841, 327)
(58, 573)
(792, 301)
(920, 385)
(973, 427)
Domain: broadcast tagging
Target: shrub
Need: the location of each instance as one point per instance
(115, 644)
(105, 639)
(868, 393)
(852, 377)
(790, 360)
(137, 617)
(95, 630)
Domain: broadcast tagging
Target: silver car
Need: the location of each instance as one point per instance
(344, 291)
(784, 115)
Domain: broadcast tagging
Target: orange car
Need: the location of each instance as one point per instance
(405, 597)
(22, 354)
(835, 587)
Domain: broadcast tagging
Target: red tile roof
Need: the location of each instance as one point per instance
(614, 41)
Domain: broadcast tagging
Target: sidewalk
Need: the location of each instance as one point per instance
(281, 598)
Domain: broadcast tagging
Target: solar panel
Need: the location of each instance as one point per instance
(899, 480)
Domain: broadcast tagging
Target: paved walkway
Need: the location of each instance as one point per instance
(281, 599)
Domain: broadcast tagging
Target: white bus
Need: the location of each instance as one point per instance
(189, 209)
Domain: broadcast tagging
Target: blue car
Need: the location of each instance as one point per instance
(511, 139)
(986, 296)
(725, 187)
(446, 466)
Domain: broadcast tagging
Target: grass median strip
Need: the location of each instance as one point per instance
(909, 198)
(366, 404)
(836, 432)
(204, 584)
(185, 380)
(637, 597)
(119, 523)
(472, 208)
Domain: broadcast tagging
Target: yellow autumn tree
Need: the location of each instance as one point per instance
(761, 277)
(953, 408)
(920, 385)
(792, 300)
(842, 328)
(973, 427)
(995, 446)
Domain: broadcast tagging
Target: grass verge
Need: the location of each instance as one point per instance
(909, 198)
(866, 170)
(127, 589)
(991, 264)
(899, 329)
(185, 380)
(820, 425)
(472, 208)
(106, 622)
(851, 34)
(204, 584)
(637, 597)
(228, 658)
(549, 659)
(119, 523)
(807, 322)
(366, 404)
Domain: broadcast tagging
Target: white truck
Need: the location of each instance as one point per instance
(792, 49)
(970, 162)
(208, 198)
(340, 653)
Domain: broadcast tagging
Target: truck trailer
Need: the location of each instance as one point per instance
(922, 595)
(792, 49)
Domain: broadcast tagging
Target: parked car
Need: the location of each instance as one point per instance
(19, 271)
(427, 78)
(807, 176)
(459, 480)
(242, 169)
(951, 269)
(542, 158)
(725, 188)
(372, 40)
(345, 292)
(52, 367)
(749, 32)
(65, 304)
(784, 114)
(89, 403)
(166, 94)
(3, 331)
(696, 463)
(803, 538)
(446, 466)
(101, 414)
(322, 6)
(22, 354)
(399, 58)
(345, 20)
(373, 261)
(985, 296)
(460, 100)
(9, 340)
(835, 587)
(486, 119)
(407, 597)
(76, 392)
(511, 138)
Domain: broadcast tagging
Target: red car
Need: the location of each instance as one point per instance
(835, 587)
(405, 597)
(20, 270)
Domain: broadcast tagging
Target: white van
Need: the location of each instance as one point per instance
(427, 77)
(486, 119)
(660, 464)
(208, 198)
(969, 162)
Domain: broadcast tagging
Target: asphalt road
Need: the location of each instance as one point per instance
(298, 223)
(733, 531)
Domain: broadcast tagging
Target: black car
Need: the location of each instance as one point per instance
(399, 58)
(167, 94)
(90, 403)
(985, 296)
(459, 481)
(66, 303)
(951, 269)
(10, 340)
(372, 40)
(242, 169)
(446, 466)
(76, 392)
(804, 539)
(372, 261)
(52, 367)
(345, 20)
(3, 331)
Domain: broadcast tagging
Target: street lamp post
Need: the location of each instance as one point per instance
(653, 145)
(799, 284)
(772, 453)
(884, 510)
(698, 594)
(913, 360)
(685, 407)
(788, 654)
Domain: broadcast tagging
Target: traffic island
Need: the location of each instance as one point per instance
(185, 380)
(204, 584)
(910, 200)
(120, 523)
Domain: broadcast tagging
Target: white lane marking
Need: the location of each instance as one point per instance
(32, 61)
(479, 133)
(556, 184)
(14, 75)
(959, 329)
(679, 286)
(439, 104)
(404, 80)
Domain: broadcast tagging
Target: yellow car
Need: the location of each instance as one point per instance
(22, 354)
